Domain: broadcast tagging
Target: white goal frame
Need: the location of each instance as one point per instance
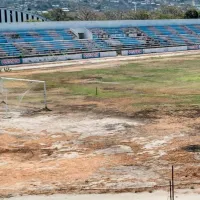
(23, 80)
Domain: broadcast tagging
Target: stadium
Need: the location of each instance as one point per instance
(99, 106)
(28, 42)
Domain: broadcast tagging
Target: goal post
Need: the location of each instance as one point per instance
(14, 91)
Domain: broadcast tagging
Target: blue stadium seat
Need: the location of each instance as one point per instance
(57, 41)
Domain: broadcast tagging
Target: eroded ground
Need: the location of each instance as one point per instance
(86, 152)
(144, 119)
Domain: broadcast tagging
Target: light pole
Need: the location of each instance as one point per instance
(135, 3)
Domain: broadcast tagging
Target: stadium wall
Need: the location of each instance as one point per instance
(78, 26)
(11, 61)
(108, 54)
(51, 58)
(158, 50)
(17, 61)
(30, 60)
(89, 24)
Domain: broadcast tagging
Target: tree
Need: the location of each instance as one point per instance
(58, 14)
(86, 14)
(191, 14)
(139, 15)
(173, 11)
(167, 12)
(115, 15)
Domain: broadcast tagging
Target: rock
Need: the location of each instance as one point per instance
(117, 149)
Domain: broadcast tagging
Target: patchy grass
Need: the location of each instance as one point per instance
(158, 82)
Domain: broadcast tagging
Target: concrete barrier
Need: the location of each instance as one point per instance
(74, 56)
(156, 50)
(51, 58)
(124, 52)
(44, 59)
(193, 47)
(132, 52)
(169, 49)
(182, 48)
(10, 61)
(15, 61)
(91, 55)
(135, 52)
(108, 54)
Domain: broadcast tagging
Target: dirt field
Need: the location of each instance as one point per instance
(144, 119)
(182, 195)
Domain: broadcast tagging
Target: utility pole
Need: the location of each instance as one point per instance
(170, 189)
(172, 182)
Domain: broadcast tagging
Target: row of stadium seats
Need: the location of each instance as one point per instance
(61, 46)
(165, 30)
(194, 28)
(39, 35)
(7, 49)
(106, 32)
(59, 41)
(174, 34)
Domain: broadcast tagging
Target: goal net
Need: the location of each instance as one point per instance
(21, 96)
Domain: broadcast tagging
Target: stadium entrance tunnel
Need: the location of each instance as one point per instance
(192, 148)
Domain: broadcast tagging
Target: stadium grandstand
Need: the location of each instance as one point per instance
(11, 16)
(30, 42)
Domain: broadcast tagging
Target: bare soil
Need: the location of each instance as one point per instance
(150, 195)
(85, 146)
(85, 152)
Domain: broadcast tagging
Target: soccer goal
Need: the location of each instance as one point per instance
(22, 95)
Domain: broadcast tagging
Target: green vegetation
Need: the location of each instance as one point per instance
(161, 82)
(85, 13)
